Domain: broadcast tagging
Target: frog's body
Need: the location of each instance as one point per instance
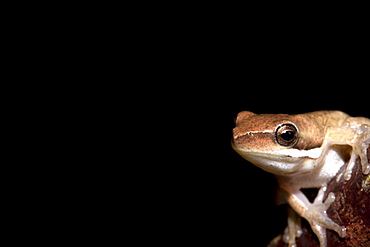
(304, 151)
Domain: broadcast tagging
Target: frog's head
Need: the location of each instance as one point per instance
(277, 143)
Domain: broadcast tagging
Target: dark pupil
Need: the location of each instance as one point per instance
(287, 135)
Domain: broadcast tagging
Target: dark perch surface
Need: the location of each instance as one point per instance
(351, 208)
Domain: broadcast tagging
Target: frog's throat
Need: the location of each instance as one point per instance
(282, 162)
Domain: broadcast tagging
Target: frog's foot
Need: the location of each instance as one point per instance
(316, 215)
(360, 146)
(293, 230)
(290, 235)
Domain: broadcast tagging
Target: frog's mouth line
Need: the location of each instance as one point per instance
(313, 153)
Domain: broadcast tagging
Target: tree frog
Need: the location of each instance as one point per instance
(304, 151)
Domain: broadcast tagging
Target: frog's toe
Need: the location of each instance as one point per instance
(289, 237)
(320, 233)
(366, 169)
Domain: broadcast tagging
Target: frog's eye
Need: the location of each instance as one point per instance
(286, 135)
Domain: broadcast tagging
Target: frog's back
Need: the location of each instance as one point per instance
(328, 118)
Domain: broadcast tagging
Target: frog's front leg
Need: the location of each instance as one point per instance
(360, 141)
(314, 213)
(360, 145)
(354, 132)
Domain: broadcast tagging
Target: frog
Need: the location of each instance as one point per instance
(304, 151)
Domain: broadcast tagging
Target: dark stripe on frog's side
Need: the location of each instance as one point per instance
(255, 134)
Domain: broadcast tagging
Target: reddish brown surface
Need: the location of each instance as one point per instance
(351, 208)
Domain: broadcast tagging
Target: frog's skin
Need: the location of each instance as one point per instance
(304, 151)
